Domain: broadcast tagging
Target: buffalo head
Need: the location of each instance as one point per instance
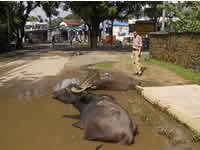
(70, 92)
(66, 95)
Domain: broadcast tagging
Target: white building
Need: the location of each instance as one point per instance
(35, 25)
(35, 32)
(120, 32)
(120, 29)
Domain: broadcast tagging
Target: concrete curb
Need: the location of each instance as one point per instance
(179, 116)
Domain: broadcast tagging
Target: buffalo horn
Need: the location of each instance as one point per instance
(87, 83)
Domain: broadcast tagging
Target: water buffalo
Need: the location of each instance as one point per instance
(101, 117)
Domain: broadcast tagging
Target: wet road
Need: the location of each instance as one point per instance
(31, 119)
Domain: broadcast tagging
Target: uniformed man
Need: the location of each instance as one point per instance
(136, 53)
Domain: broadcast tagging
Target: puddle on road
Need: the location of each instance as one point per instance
(31, 119)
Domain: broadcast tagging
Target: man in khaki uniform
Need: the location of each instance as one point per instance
(136, 53)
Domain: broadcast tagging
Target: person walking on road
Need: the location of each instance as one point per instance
(136, 53)
(71, 36)
(53, 41)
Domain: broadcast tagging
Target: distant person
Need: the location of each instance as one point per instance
(77, 37)
(71, 36)
(53, 41)
(136, 53)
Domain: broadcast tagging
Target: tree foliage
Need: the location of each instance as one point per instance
(50, 8)
(4, 21)
(16, 16)
(92, 13)
(22, 11)
(56, 22)
(72, 16)
(186, 14)
(123, 11)
(32, 19)
(153, 12)
(95, 12)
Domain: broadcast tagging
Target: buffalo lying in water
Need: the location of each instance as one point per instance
(101, 117)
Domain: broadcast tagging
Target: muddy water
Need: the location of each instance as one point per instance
(30, 119)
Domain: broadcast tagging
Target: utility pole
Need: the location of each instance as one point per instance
(163, 18)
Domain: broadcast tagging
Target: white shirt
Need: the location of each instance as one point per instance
(137, 42)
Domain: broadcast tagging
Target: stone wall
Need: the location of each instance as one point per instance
(177, 48)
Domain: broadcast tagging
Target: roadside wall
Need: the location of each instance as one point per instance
(177, 48)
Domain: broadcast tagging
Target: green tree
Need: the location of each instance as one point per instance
(23, 11)
(72, 16)
(32, 18)
(56, 22)
(50, 9)
(153, 12)
(93, 13)
(122, 11)
(184, 17)
(17, 14)
(5, 29)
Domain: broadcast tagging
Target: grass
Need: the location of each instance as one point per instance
(187, 74)
(196, 137)
(146, 119)
(105, 66)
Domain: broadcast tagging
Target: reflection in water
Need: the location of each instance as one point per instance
(20, 97)
(36, 93)
(26, 96)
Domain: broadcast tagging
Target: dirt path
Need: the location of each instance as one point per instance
(154, 75)
(36, 65)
